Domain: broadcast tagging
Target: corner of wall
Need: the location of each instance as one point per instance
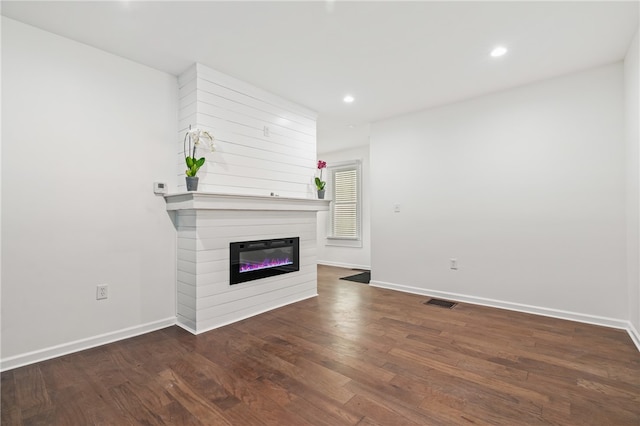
(632, 135)
(634, 334)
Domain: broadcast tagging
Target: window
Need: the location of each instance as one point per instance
(344, 219)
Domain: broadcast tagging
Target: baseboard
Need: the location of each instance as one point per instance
(82, 344)
(252, 314)
(537, 310)
(79, 345)
(633, 333)
(186, 324)
(343, 265)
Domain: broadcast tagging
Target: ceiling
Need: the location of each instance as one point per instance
(393, 57)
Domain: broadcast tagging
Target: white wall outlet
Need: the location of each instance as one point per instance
(159, 188)
(396, 208)
(453, 264)
(102, 292)
(267, 132)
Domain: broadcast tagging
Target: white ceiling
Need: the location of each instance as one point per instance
(394, 57)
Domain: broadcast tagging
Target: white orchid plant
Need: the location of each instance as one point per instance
(192, 139)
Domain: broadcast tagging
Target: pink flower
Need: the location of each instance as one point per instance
(320, 184)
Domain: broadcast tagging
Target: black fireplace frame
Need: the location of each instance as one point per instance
(235, 248)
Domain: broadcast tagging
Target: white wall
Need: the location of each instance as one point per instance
(632, 130)
(248, 159)
(526, 188)
(348, 257)
(84, 136)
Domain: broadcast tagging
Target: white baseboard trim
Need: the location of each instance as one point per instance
(343, 265)
(633, 333)
(185, 324)
(91, 342)
(537, 310)
(82, 344)
(253, 314)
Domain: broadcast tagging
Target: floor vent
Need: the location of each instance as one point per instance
(441, 303)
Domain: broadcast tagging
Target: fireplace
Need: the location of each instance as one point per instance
(252, 260)
(205, 300)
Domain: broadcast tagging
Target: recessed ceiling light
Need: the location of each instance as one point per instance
(348, 99)
(498, 51)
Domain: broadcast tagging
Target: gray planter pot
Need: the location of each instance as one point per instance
(192, 183)
(321, 194)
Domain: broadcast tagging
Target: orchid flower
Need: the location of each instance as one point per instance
(192, 140)
(320, 184)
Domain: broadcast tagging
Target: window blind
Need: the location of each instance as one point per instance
(345, 217)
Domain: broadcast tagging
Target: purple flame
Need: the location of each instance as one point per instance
(266, 263)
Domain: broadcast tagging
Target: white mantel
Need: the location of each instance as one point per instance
(213, 201)
(207, 223)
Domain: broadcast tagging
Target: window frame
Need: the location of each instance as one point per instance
(332, 240)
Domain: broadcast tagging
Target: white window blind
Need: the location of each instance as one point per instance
(345, 207)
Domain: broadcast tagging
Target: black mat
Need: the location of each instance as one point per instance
(363, 277)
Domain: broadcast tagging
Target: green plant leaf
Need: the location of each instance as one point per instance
(189, 161)
(320, 184)
(200, 162)
(193, 169)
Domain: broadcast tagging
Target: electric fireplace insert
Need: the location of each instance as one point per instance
(252, 260)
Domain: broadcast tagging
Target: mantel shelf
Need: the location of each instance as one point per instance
(214, 201)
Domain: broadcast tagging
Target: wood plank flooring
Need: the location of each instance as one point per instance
(355, 355)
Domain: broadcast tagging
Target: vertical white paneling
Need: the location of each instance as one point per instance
(187, 112)
(187, 270)
(264, 144)
(205, 298)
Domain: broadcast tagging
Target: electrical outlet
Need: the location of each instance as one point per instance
(453, 264)
(102, 292)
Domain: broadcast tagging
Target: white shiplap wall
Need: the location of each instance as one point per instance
(205, 298)
(247, 160)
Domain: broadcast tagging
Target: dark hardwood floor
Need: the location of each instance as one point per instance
(353, 355)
